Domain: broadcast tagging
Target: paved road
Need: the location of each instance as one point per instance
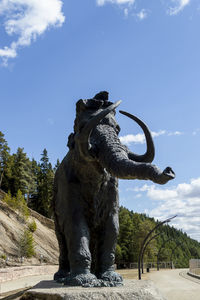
(22, 283)
(176, 284)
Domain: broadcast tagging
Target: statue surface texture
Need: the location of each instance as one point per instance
(86, 192)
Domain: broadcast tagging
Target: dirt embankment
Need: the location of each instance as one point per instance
(11, 229)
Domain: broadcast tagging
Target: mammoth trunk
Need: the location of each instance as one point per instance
(114, 157)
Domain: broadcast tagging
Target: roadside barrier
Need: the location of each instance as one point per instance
(13, 273)
(194, 267)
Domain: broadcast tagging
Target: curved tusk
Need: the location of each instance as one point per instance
(150, 153)
(83, 138)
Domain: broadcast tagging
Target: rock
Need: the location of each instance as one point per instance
(131, 290)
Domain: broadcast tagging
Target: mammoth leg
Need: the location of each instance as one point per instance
(78, 237)
(64, 267)
(108, 234)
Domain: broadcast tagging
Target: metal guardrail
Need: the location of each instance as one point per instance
(194, 267)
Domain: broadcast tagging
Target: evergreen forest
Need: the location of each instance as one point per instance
(22, 177)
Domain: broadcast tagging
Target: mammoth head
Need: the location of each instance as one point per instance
(89, 108)
(91, 112)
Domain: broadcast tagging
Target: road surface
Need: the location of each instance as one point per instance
(176, 284)
(21, 283)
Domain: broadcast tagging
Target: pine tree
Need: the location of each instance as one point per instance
(23, 177)
(45, 185)
(4, 157)
(56, 165)
(31, 179)
(33, 197)
(27, 244)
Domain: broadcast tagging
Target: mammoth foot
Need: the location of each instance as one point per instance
(111, 276)
(87, 280)
(61, 275)
(166, 175)
(111, 279)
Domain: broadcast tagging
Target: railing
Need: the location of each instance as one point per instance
(194, 267)
(153, 265)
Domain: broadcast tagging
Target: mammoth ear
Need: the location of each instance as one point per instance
(83, 105)
(94, 104)
(71, 142)
(80, 106)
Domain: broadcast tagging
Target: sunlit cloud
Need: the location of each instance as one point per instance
(142, 14)
(175, 133)
(25, 20)
(126, 11)
(140, 138)
(178, 6)
(119, 2)
(174, 7)
(125, 4)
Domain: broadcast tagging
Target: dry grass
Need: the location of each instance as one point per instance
(130, 273)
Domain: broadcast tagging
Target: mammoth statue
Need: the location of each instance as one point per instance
(86, 192)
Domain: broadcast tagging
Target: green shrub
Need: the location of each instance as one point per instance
(3, 256)
(32, 226)
(11, 201)
(18, 203)
(26, 244)
(22, 205)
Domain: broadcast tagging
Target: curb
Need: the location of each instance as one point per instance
(193, 275)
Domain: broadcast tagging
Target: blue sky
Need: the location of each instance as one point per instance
(145, 53)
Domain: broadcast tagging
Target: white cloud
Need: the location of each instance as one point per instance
(179, 6)
(175, 133)
(140, 138)
(142, 14)
(25, 20)
(131, 138)
(155, 134)
(183, 200)
(126, 11)
(119, 2)
(125, 4)
(174, 6)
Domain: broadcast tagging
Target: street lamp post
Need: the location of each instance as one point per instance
(142, 259)
(145, 240)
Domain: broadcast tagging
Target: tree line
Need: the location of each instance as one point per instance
(24, 177)
(33, 179)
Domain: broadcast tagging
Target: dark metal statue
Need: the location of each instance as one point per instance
(86, 192)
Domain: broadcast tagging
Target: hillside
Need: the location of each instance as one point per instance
(11, 229)
(171, 244)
